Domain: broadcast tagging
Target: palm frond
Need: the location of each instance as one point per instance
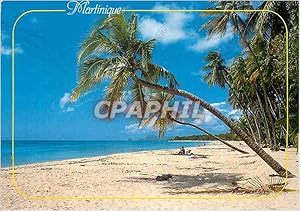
(115, 90)
(91, 73)
(117, 29)
(155, 72)
(160, 124)
(96, 42)
(133, 26)
(137, 94)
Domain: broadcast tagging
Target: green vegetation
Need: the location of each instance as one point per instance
(113, 52)
(257, 78)
(225, 136)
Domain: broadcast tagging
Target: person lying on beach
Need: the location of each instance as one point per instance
(181, 151)
(188, 152)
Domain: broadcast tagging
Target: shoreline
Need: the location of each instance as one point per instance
(56, 162)
(215, 170)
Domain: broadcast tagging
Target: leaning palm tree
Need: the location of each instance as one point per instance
(166, 117)
(217, 73)
(113, 51)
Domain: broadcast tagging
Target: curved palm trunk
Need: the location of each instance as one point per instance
(250, 142)
(212, 135)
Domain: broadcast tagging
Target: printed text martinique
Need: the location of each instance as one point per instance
(82, 7)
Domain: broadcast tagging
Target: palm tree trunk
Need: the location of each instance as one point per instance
(262, 110)
(279, 97)
(251, 143)
(272, 110)
(212, 135)
(241, 105)
(265, 94)
(258, 129)
(281, 94)
(256, 123)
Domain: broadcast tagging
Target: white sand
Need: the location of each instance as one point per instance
(133, 175)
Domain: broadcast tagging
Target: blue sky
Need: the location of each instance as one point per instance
(45, 70)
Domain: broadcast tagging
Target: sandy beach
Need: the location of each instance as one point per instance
(208, 179)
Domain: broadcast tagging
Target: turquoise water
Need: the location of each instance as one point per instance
(27, 152)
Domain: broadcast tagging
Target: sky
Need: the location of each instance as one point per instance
(45, 70)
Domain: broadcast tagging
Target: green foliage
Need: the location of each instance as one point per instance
(257, 78)
(226, 136)
(112, 51)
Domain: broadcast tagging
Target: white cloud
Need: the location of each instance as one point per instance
(133, 128)
(216, 105)
(69, 109)
(64, 101)
(206, 118)
(169, 29)
(235, 114)
(5, 50)
(4, 36)
(204, 43)
(221, 106)
(8, 51)
(173, 27)
(200, 73)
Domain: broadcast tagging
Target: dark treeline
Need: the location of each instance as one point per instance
(224, 136)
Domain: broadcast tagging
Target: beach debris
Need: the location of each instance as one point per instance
(256, 185)
(197, 156)
(46, 169)
(163, 177)
(252, 186)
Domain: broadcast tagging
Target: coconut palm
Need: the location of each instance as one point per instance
(268, 25)
(216, 70)
(220, 23)
(113, 51)
(217, 74)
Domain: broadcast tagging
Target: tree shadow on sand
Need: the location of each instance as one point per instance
(180, 182)
(214, 183)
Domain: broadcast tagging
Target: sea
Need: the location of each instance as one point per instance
(29, 152)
